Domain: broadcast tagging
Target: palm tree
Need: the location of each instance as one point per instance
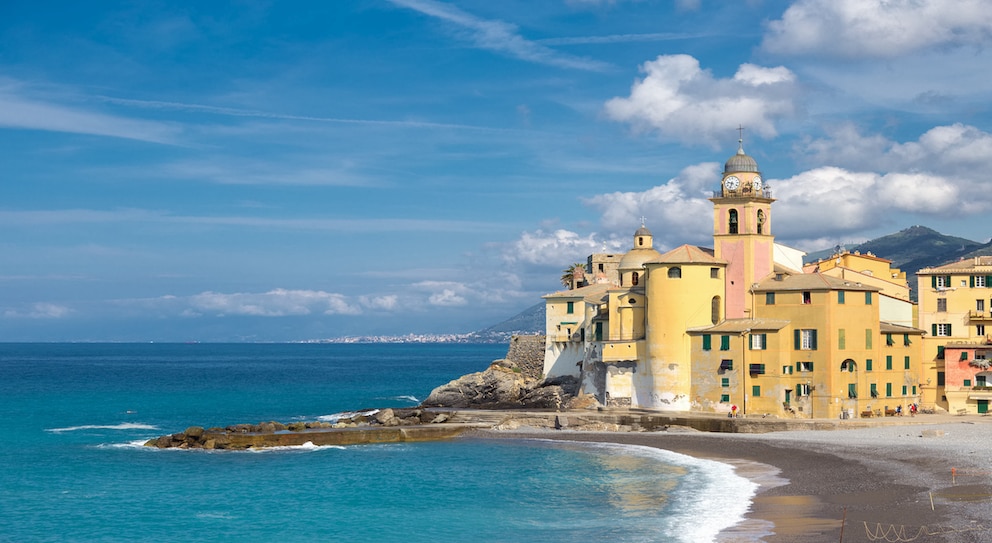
(568, 275)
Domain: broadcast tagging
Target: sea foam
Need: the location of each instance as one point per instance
(121, 426)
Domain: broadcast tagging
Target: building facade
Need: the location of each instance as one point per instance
(743, 324)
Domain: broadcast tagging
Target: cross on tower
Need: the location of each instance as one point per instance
(643, 218)
(740, 134)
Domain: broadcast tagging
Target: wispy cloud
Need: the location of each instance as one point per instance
(21, 112)
(499, 36)
(619, 38)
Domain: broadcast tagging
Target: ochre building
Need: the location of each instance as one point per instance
(742, 325)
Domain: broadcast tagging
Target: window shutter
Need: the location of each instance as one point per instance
(947, 281)
(724, 343)
(940, 352)
(949, 330)
(971, 281)
(764, 341)
(707, 342)
(933, 330)
(813, 340)
(933, 281)
(988, 281)
(797, 341)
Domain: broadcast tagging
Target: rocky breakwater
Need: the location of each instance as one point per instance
(375, 426)
(505, 386)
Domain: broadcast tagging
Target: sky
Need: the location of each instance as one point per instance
(283, 171)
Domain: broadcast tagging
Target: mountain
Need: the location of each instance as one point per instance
(528, 321)
(913, 249)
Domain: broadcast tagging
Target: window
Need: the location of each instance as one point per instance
(733, 221)
(905, 362)
(964, 355)
(868, 364)
(967, 382)
(756, 369)
(601, 267)
(707, 342)
(807, 297)
(874, 390)
(570, 308)
(942, 330)
(868, 335)
(980, 305)
(940, 281)
(725, 382)
(914, 390)
(940, 378)
(724, 343)
(726, 365)
(758, 342)
(761, 221)
(981, 281)
(904, 390)
(888, 362)
(841, 339)
(675, 272)
(724, 398)
(635, 278)
(868, 298)
(840, 296)
(942, 304)
(714, 273)
(888, 340)
(848, 366)
(805, 340)
(852, 390)
(804, 366)
(769, 298)
(906, 341)
(888, 390)
(940, 352)
(980, 330)
(715, 310)
(786, 370)
(756, 391)
(802, 390)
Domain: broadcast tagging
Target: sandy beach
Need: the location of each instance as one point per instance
(882, 483)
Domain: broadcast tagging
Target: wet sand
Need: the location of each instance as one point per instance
(891, 483)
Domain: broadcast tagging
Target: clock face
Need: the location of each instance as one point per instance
(732, 183)
(756, 183)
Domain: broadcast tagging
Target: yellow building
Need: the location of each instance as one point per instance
(955, 308)
(741, 325)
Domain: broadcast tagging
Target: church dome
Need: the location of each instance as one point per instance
(635, 258)
(741, 162)
(642, 231)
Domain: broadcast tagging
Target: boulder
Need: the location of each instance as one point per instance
(501, 386)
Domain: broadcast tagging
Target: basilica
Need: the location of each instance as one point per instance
(742, 327)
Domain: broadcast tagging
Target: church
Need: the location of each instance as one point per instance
(743, 327)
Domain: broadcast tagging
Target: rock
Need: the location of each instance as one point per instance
(267, 428)
(441, 417)
(501, 386)
(386, 417)
(194, 432)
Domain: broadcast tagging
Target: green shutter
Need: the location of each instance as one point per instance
(840, 296)
(971, 281)
(868, 365)
(888, 390)
(947, 281)
(725, 382)
(988, 281)
(906, 363)
(949, 333)
(888, 361)
(798, 343)
(933, 330)
(940, 352)
(756, 391)
(940, 378)
(764, 341)
(813, 341)
(724, 343)
(707, 342)
(933, 281)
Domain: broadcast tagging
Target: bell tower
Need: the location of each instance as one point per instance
(742, 230)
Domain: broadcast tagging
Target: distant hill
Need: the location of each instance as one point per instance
(528, 321)
(913, 249)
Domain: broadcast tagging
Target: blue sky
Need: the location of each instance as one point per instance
(229, 171)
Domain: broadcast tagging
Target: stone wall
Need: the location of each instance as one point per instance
(528, 353)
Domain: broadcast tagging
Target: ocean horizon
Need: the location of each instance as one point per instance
(76, 416)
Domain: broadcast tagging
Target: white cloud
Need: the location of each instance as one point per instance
(499, 36)
(20, 111)
(274, 303)
(383, 303)
(560, 246)
(682, 102)
(39, 310)
(878, 28)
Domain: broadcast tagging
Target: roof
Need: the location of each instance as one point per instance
(740, 326)
(687, 254)
(740, 162)
(594, 293)
(810, 281)
(890, 328)
(978, 263)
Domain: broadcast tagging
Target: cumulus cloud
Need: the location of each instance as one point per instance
(39, 310)
(541, 247)
(679, 101)
(878, 28)
(384, 303)
(274, 303)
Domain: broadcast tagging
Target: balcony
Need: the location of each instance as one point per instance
(979, 316)
(980, 392)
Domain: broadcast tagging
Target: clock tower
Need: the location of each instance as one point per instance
(742, 231)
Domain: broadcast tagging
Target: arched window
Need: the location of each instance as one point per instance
(675, 272)
(715, 309)
(635, 278)
(761, 221)
(640, 241)
(849, 366)
(733, 221)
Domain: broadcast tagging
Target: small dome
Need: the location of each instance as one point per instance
(642, 231)
(741, 162)
(635, 259)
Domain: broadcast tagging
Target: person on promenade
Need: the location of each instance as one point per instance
(898, 410)
(733, 411)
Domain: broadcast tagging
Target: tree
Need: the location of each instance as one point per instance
(569, 274)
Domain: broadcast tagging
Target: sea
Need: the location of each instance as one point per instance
(74, 417)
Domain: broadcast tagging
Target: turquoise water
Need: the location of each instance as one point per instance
(72, 468)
